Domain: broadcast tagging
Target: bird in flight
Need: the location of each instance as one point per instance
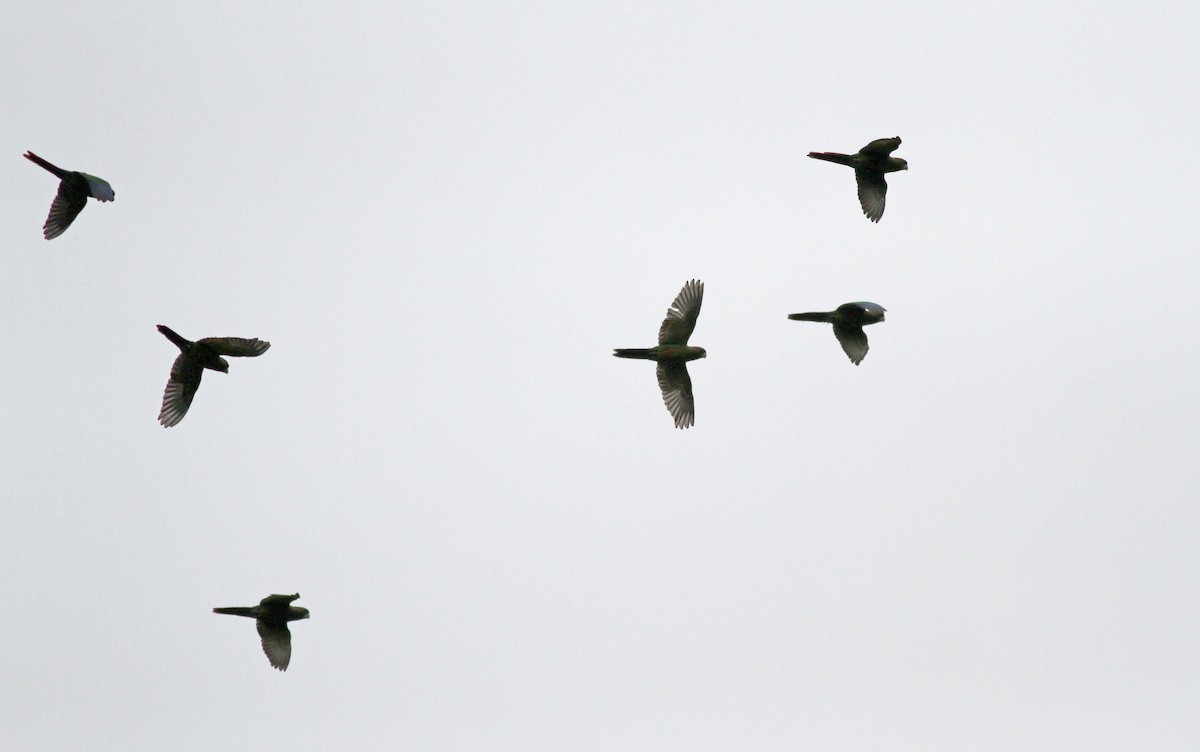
(73, 192)
(870, 164)
(673, 353)
(271, 616)
(848, 322)
(193, 358)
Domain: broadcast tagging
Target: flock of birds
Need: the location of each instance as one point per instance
(871, 163)
(672, 353)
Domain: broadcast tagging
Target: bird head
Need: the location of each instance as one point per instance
(903, 163)
(297, 612)
(703, 354)
(222, 365)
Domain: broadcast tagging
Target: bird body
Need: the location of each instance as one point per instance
(870, 164)
(271, 616)
(73, 192)
(848, 321)
(193, 358)
(673, 352)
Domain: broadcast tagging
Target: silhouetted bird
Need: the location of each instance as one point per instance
(870, 164)
(848, 321)
(193, 358)
(72, 196)
(271, 616)
(673, 353)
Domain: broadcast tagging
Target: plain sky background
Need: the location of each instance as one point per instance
(443, 216)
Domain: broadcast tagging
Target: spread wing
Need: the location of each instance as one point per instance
(681, 318)
(872, 192)
(63, 211)
(881, 146)
(236, 346)
(853, 341)
(276, 643)
(676, 388)
(182, 386)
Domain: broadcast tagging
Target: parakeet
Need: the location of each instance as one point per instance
(673, 353)
(848, 321)
(72, 196)
(193, 358)
(271, 616)
(870, 164)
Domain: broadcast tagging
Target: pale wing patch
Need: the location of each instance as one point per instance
(99, 188)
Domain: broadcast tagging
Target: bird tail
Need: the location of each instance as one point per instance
(180, 342)
(251, 611)
(44, 164)
(825, 318)
(833, 156)
(637, 352)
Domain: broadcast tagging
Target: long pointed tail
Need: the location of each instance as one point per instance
(641, 353)
(251, 611)
(833, 156)
(825, 318)
(180, 342)
(44, 164)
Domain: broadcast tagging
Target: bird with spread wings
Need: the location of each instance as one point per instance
(870, 164)
(193, 358)
(848, 322)
(271, 616)
(73, 192)
(673, 353)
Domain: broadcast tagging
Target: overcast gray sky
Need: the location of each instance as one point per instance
(443, 216)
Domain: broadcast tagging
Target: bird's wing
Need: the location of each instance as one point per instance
(99, 187)
(676, 388)
(853, 341)
(881, 146)
(681, 318)
(278, 601)
(872, 192)
(181, 387)
(66, 207)
(276, 643)
(236, 346)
